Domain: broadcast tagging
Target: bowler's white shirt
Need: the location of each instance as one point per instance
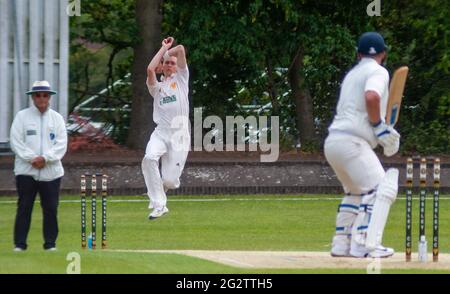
(351, 114)
(170, 98)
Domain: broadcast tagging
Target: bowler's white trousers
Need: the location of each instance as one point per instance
(172, 147)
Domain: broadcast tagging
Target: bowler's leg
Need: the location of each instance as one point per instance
(150, 168)
(172, 165)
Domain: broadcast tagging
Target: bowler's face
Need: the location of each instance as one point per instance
(41, 100)
(170, 66)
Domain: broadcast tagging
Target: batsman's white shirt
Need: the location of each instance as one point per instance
(348, 147)
(351, 114)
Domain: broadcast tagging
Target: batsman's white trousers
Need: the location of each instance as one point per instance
(354, 162)
(360, 171)
(172, 147)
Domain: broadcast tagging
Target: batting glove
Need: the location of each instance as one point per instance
(387, 137)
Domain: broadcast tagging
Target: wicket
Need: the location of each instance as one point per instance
(104, 179)
(422, 201)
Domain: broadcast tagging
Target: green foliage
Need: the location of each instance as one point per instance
(240, 52)
(426, 137)
(107, 21)
(418, 34)
(101, 42)
(242, 44)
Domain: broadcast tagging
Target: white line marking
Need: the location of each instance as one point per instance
(215, 200)
(233, 261)
(193, 200)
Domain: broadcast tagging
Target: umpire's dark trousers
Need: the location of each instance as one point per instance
(27, 188)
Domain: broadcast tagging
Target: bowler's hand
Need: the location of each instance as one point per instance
(167, 43)
(38, 162)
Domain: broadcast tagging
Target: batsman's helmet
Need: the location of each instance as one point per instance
(371, 43)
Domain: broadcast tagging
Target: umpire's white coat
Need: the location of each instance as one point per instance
(38, 134)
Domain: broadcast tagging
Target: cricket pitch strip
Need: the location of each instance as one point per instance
(304, 259)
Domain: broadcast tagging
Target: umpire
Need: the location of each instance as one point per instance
(39, 141)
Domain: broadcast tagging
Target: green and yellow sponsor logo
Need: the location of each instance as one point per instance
(168, 99)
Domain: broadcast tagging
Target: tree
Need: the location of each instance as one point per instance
(258, 37)
(149, 19)
(288, 53)
(101, 42)
(122, 26)
(303, 101)
(417, 32)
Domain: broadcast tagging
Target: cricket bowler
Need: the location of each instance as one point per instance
(170, 141)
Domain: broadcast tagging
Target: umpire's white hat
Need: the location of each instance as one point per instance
(41, 86)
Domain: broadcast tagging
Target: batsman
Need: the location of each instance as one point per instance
(358, 127)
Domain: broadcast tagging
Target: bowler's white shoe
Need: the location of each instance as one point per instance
(51, 249)
(18, 249)
(158, 212)
(379, 252)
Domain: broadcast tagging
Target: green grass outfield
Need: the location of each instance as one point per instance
(239, 222)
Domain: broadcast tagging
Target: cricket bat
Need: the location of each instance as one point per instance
(395, 95)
